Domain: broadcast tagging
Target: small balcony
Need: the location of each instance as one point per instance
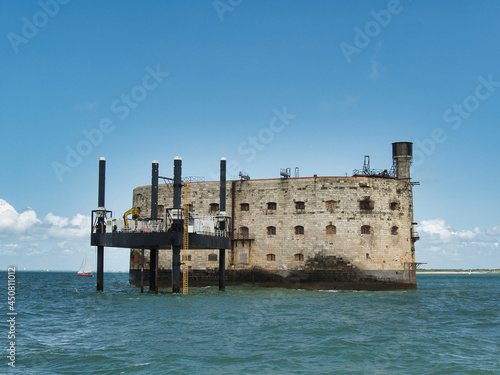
(244, 236)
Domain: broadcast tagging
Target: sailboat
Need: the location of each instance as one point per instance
(85, 269)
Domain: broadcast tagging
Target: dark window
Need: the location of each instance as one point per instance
(298, 257)
(136, 258)
(365, 229)
(271, 257)
(394, 230)
(299, 229)
(331, 205)
(271, 231)
(214, 208)
(161, 209)
(366, 204)
(394, 206)
(300, 205)
(271, 206)
(244, 233)
(245, 207)
(331, 229)
(188, 258)
(212, 257)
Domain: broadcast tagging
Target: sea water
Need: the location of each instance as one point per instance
(449, 325)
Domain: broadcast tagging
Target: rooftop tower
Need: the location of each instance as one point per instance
(402, 154)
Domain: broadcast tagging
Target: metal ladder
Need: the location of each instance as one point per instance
(185, 242)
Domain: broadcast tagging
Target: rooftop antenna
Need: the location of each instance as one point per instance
(244, 176)
(366, 165)
(285, 173)
(368, 172)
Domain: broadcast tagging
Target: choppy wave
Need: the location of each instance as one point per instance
(449, 325)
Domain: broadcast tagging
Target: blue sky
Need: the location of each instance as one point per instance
(136, 81)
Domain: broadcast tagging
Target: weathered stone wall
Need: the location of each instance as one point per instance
(382, 204)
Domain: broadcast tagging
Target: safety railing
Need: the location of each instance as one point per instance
(244, 236)
(98, 222)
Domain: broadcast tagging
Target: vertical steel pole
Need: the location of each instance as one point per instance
(176, 248)
(142, 270)
(222, 208)
(156, 270)
(154, 190)
(100, 224)
(153, 268)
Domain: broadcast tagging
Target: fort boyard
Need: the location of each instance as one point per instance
(315, 232)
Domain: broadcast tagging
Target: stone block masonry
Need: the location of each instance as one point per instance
(312, 232)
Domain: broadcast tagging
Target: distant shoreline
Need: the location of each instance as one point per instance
(458, 272)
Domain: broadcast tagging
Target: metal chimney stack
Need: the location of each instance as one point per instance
(402, 153)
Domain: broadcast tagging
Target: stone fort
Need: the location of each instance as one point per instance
(353, 232)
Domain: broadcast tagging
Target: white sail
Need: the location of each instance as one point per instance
(85, 267)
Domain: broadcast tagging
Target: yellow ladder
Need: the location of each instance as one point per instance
(185, 242)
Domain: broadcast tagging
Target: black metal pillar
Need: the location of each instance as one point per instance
(176, 248)
(222, 208)
(100, 224)
(152, 269)
(153, 263)
(154, 190)
(156, 251)
(142, 270)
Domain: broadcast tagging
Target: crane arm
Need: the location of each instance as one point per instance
(134, 211)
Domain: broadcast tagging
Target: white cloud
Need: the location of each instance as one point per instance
(34, 252)
(81, 220)
(10, 245)
(466, 234)
(54, 242)
(8, 249)
(12, 222)
(494, 231)
(435, 228)
(444, 247)
(438, 230)
(62, 227)
(14, 227)
(56, 220)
